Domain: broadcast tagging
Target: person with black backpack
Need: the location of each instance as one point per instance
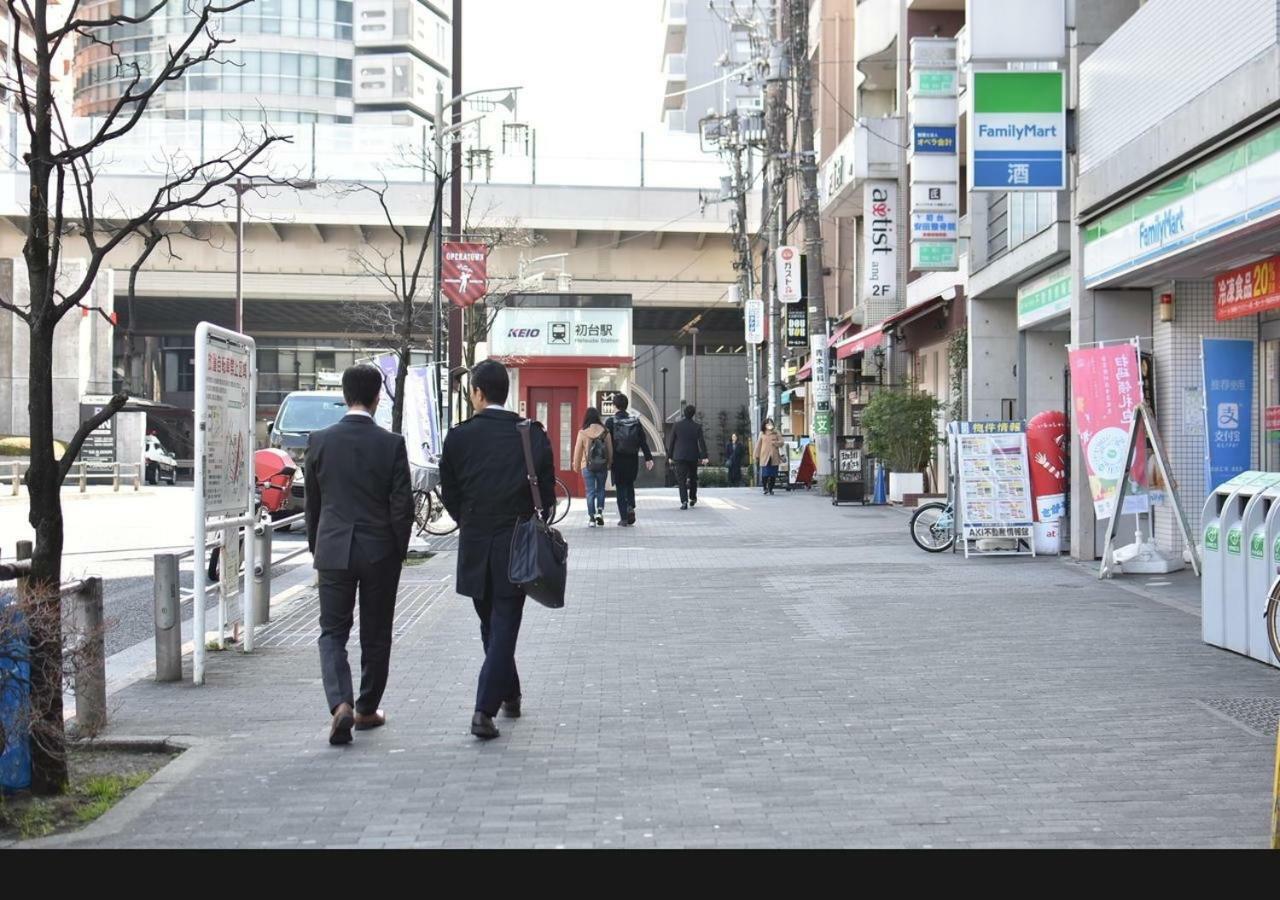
(592, 456)
(629, 441)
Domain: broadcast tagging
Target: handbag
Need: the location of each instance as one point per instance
(539, 562)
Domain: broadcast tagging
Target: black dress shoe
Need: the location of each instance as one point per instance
(511, 708)
(693, 502)
(482, 727)
(684, 505)
(344, 719)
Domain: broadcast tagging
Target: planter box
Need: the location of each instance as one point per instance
(902, 483)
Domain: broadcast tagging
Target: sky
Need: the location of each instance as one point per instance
(585, 65)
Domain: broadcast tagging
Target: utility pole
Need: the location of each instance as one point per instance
(776, 203)
(746, 279)
(817, 298)
(455, 204)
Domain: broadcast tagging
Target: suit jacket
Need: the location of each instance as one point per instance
(358, 491)
(687, 443)
(485, 487)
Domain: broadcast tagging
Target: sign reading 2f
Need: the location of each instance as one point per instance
(1018, 132)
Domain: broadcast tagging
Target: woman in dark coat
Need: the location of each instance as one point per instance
(734, 451)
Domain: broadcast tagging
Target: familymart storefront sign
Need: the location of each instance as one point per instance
(1234, 189)
(1045, 298)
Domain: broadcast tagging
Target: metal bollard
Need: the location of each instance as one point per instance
(262, 574)
(17, 480)
(137, 478)
(91, 659)
(168, 608)
(115, 477)
(84, 478)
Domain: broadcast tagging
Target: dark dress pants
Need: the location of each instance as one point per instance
(625, 470)
(501, 609)
(687, 479)
(377, 581)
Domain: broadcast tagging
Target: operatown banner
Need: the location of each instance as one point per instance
(465, 272)
(1106, 387)
(1247, 291)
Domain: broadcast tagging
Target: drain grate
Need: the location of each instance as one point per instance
(301, 627)
(1258, 714)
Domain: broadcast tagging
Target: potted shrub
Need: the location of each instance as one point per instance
(901, 429)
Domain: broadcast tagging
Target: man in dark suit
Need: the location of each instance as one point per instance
(359, 518)
(485, 487)
(686, 448)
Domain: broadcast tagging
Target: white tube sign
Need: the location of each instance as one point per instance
(880, 232)
(788, 275)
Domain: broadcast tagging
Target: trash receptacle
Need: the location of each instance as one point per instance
(1223, 571)
(1258, 569)
(1260, 587)
(15, 677)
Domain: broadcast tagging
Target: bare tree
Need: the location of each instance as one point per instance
(65, 198)
(401, 270)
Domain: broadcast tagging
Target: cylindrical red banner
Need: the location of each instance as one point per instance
(1047, 449)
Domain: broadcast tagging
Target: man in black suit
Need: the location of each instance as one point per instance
(686, 448)
(359, 517)
(485, 487)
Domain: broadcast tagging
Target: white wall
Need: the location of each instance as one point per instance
(993, 355)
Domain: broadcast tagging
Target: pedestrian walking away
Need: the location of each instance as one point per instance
(359, 513)
(687, 447)
(592, 456)
(734, 451)
(629, 441)
(484, 484)
(769, 455)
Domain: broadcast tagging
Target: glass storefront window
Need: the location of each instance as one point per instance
(1270, 400)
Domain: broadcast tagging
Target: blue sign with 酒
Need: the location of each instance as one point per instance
(1228, 409)
(934, 138)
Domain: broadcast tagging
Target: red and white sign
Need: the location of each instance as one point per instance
(465, 272)
(788, 275)
(1247, 291)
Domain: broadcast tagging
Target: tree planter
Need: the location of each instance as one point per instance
(902, 483)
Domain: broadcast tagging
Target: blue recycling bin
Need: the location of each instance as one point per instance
(881, 494)
(15, 693)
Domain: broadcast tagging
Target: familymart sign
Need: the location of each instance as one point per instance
(1044, 298)
(1018, 132)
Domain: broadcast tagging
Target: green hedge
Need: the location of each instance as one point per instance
(718, 476)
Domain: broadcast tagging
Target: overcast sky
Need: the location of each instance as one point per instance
(584, 64)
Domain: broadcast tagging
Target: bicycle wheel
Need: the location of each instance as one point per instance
(931, 527)
(430, 514)
(563, 501)
(1273, 619)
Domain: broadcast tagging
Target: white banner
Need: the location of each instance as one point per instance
(227, 408)
(788, 275)
(880, 232)
(934, 196)
(556, 331)
(753, 320)
(820, 361)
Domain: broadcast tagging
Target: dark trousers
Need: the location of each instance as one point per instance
(687, 480)
(625, 470)
(735, 475)
(377, 581)
(500, 609)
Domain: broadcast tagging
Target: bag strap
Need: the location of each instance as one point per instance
(523, 427)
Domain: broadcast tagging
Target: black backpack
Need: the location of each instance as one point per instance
(598, 454)
(626, 435)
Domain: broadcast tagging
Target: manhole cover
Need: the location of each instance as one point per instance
(1255, 713)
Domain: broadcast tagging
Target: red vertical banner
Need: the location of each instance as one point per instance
(1106, 387)
(465, 272)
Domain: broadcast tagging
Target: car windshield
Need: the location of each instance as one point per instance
(300, 414)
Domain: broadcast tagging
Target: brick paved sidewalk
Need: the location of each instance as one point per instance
(753, 672)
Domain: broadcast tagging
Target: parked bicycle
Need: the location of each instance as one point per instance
(433, 519)
(1273, 617)
(933, 526)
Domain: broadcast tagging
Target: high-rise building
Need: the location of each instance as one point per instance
(702, 43)
(290, 61)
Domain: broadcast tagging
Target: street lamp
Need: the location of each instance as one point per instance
(242, 186)
(694, 332)
(664, 402)
(439, 134)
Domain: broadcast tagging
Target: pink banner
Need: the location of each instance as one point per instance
(1106, 387)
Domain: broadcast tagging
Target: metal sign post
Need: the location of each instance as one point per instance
(226, 396)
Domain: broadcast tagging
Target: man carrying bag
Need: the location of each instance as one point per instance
(494, 487)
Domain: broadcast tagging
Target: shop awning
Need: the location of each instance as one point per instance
(806, 372)
(864, 340)
(841, 332)
(913, 312)
(786, 397)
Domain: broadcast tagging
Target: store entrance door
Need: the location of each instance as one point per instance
(555, 408)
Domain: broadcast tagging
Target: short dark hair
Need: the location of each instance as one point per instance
(690, 411)
(621, 402)
(361, 385)
(491, 379)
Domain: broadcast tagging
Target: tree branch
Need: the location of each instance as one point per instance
(88, 425)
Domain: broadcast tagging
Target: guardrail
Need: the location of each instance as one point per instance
(169, 595)
(89, 672)
(113, 470)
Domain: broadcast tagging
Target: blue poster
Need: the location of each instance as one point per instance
(1228, 409)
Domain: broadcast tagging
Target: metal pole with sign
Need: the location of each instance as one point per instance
(226, 387)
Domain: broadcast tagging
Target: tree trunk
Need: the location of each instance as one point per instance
(402, 372)
(48, 750)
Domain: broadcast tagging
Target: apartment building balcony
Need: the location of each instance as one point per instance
(394, 81)
(675, 24)
(876, 44)
(675, 79)
(404, 25)
(869, 151)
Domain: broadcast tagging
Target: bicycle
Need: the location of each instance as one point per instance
(432, 518)
(1272, 617)
(933, 526)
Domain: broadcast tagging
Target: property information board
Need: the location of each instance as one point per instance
(995, 485)
(227, 426)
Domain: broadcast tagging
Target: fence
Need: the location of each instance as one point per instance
(87, 470)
